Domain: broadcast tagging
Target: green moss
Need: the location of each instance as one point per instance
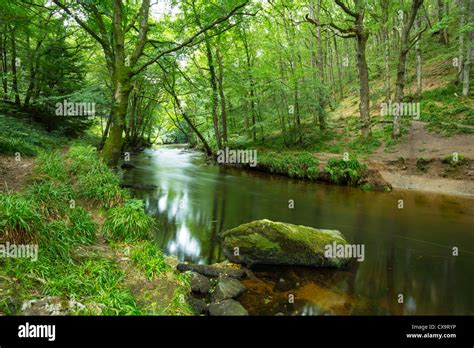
(255, 241)
(265, 241)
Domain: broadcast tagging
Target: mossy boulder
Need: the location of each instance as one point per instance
(278, 243)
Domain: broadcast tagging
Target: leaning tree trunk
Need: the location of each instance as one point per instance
(207, 148)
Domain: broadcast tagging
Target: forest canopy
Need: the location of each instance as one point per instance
(213, 73)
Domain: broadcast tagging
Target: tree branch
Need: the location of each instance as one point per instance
(191, 39)
(346, 9)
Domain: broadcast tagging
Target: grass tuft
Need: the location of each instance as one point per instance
(128, 223)
(19, 221)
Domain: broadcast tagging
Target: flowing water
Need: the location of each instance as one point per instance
(408, 251)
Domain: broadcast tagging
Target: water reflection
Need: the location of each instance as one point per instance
(408, 251)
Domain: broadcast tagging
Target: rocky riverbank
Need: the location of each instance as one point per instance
(215, 289)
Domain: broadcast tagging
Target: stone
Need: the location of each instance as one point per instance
(211, 271)
(139, 186)
(199, 283)
(46, 306)
(127, 166)
(227, 308)
(278, 243)
(198, 305)
(227, 288)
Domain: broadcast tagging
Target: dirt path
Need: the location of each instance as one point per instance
(422, 183)
(13, 173)
(421, 143)
(399, 166)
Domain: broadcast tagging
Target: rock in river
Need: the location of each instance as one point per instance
(227, 307)
(211, 271)
(227, 288)
(139, 186)
(127, 166)
(278, 243)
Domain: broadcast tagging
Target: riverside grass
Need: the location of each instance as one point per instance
(345, 172)
(46, 213)
(95, 181)
(128, 222)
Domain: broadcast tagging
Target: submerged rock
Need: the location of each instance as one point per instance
(139, 186)
(278, 243)
(227, 307)
(227, 288)
(127, 166)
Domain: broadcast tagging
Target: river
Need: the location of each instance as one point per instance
(408, 251)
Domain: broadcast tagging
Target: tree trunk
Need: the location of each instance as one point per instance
(364, 106)
(252, 91)
(113, 145)
(13, 67)
(207, 148)
(418, 61)
(4, 65)
(215, 98)
(221, 94)
(443, 33)
(462, 19)
(331, 69)
(402, 57)
(313, 58)
(318, 40)
(469, 53)
(338, 65)
(386, 50)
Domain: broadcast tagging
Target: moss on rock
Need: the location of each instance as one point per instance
(278, 243)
